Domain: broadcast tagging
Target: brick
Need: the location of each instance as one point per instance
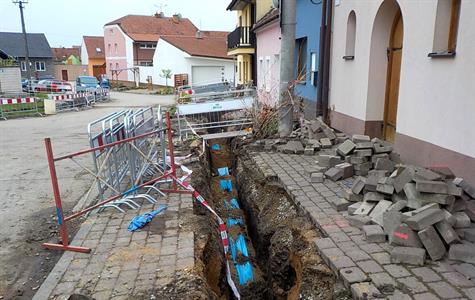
(355, 160)
(426, 274)
(413, 285)
(462, 252)
(402, 179)
(359, 221)
(364, 152)
(328, 160)
(339, 204)
(385, 149)
(384, 164)
(443, 199)
(352, 275)
(425, 175)
(408, 255)
(387, 189)
(425, 218)
(398, 206)
(434, 187)
(346, 148)
(326, 143)
(375, 157)
(374, 233)
(396, 271)
(359, 138)
(433, 244)
(353, 207)
(378, 211)
(373, 197)
(334, 174)
(369, 266)
(316, 178)
(364, 145)
(358, 185)
(383, 282)
(412, 195)
(422, 208)
(347, 169)
(447, 233)
(373, 179)
(403, 235)
(365, 208)
(350, 196)
(365, 291)
(444, 290)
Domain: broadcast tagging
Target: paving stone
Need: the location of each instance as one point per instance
(470, 293)
(329, 253)
(461, 220)
(352, 275)
(425, 174)
(359, 138)
(324, 243)
(357, 255)
(408, 255)
(346, 148)
(457, 279)
(398, 205)
(373, 197)
(413, 284)
(462, 252)
(387, 189)
(365, 291)
(426, 274)
(384, 164)
(353, 207)
(378, 211)
(426, 296)
(358, 185)
(369, 266)
(381, 258)
(444, 290)
(374, 233)
(398, 295)
(425, 219)
(402, 179)
(350, 196)
(396, 271)
(413, 196)
(373, 179)
(340, 204)
(365, 208)
(316, 178)
(468, 270)
(433, 244)
(403, 235)
(434, 187)
(340, 262)
(338, 237)
(467, 188)
(447, 232)
(359, 221)
(334, 174)
(371, 248)
(328, 160)
(364, 153)
(356, 160)
(391, 221)
(437, 198)
(470, 210)
(385, 283)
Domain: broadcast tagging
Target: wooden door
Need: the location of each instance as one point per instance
(393, 76)
(64, 75)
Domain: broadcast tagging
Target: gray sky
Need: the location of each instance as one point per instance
(65, 21)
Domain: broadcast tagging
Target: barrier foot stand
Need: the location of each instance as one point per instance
(52, 246)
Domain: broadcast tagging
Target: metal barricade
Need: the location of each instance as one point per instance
(102, 95)
(19, 107)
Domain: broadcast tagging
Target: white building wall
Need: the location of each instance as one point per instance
(84, 55)
(436, 95)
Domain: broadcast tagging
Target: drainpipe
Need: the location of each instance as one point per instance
(287, 71)
(321, 56)
(326, 66)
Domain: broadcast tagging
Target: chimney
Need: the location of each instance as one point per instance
(159, 14)
(177, 16)
(199, 34)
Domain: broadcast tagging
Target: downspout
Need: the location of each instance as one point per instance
(321, 55)
(326, 67)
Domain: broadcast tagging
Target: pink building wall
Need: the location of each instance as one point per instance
(113, 35)
(268, 62)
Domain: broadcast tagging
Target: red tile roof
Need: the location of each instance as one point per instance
(211, 44)
(63, 53)
(150, 28)
(93, 43)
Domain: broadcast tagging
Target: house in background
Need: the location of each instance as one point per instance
(67, 56)
(242, 41)
(41, 57)
(67, 63)
(10, 76)
(136, 52)
(405, 71)
(93, 55)
(267, 30)
(307, 48)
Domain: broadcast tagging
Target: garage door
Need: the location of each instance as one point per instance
(203, 75)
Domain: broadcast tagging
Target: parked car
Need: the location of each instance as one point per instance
(53, 86)
(28, 86)
(84, 83)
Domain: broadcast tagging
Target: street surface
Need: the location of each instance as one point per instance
(26, 201)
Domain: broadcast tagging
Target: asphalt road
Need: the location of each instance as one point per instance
(26, 201)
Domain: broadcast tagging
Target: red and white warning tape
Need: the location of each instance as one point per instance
(16, 100)
(69, 96)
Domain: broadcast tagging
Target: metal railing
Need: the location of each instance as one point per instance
(242, 36)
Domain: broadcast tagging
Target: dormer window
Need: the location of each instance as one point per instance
(98, 50)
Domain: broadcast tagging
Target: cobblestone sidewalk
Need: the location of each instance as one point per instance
(364, 267)
(122, 263)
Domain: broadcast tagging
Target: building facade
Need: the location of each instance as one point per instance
(403, 70)
(93, 55)
(242, 41)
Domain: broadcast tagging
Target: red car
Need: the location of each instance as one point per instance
(53, 86)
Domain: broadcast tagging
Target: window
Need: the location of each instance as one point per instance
(261, 75)
(350, 37)
(313, 68)
(115, 48)
(446, 28)
(148, 46)
(110, 67)
(23, 66)
(40, 66)
(109, 48)
(98, 50)
(268, 74)
(240, 71)
(117, 66)
(301, 59)
(146, 63)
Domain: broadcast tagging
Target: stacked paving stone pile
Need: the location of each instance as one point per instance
(420, 211)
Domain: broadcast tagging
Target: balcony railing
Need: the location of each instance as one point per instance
(241, 37)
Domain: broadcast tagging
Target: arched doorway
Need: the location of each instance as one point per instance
(392, 78)
(384, 71)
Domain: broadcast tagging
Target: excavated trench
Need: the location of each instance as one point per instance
(274, 254)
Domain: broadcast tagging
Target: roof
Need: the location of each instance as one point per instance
(238, 4)
(150, 28)
(93, 44)
(270, 16)
(13, 44)
(211, 44)
(63, 53)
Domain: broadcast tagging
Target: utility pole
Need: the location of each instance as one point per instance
(27, 51)
(287, 71)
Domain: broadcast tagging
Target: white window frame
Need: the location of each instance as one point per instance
(23, 66)
(313, 68)
(268, 73)
(147, 45)
(116, 48)
(146, 63)
(38, 65)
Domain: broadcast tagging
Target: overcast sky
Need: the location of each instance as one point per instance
(65, 21)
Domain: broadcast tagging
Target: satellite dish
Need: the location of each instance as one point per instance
(275, 3)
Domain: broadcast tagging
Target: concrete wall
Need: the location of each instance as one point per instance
(73, 71)
(10, 81)
(436, 104)
(268, 62)
(308, 25)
